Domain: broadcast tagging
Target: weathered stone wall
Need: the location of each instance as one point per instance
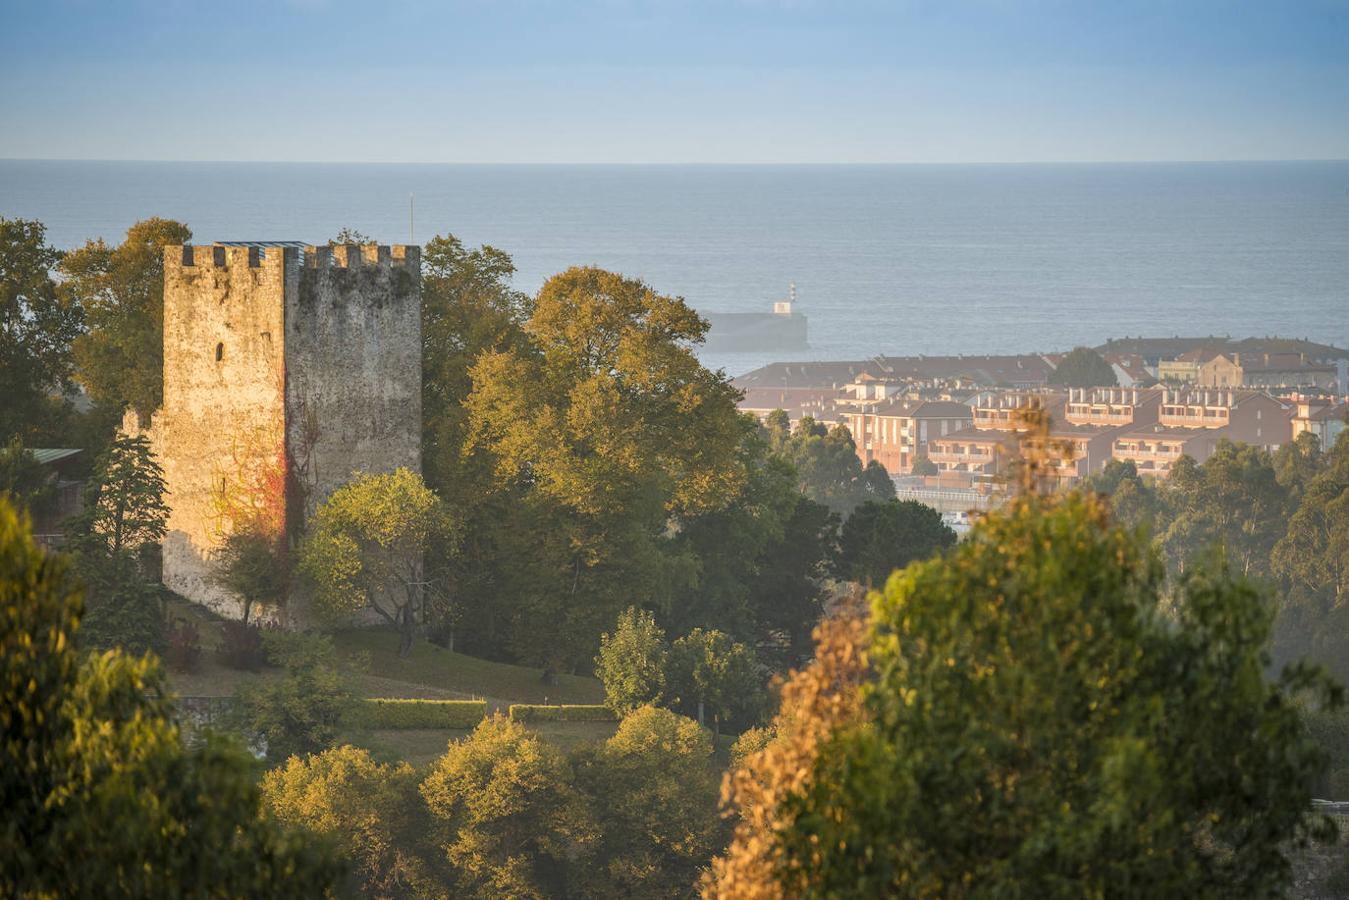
(221, 432)
(353, 367)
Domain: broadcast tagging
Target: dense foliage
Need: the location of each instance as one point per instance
(37, 324)
(100, 796)
(1038, 723)
(1083, 368)
(879, 538)
(120, 357)
(366, 548)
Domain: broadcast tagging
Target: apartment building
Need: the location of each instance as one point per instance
(991, 440)
(896, 431)
(1191, 421)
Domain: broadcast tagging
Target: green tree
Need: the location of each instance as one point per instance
(1233, 500)
(252, 566)
(1297, 463)
(1038, 725)
(632, 662)
(508, 815)
(120, 359)
(756, 564)
(116, 539)
(613, 430)
(922, 465)
(349, 236)
(470, 309)
(23, 480)
(880, 538)
(830, 471)
(366, 548)
(101, 797)
(37, 324)
(653, 794)
(1084, 368)
(302, 711)
(124, 509)
(371, 811)
(709, 672)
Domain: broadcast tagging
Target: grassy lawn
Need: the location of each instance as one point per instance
(369, 656)
(375, 650)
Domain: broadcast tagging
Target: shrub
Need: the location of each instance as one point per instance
(302, 711)
(392, 713)
(529, 712)
(241, 646)
(184, 649)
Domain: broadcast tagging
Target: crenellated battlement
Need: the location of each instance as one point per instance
(220, 256)
(352, 256)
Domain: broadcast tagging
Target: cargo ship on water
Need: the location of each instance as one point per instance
(782, 329)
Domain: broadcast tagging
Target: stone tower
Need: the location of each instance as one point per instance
(286, 369)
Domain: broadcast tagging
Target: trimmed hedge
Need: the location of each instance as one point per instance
(530, 712)
(396, 714)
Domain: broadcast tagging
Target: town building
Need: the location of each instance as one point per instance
(287, 368)
(984, 448)
(1191, 421)
(1323, 417)
(896, 431)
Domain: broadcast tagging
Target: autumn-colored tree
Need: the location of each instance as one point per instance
(101, 797)
(816, 701)
(652, 791)
(371, 811)
(366, 549)
(508, 817)
(120, 359)
(1039, 724)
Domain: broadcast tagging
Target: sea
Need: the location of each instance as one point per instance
(885, 259)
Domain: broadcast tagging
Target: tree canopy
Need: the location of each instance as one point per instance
(366, 548)
(120, 359)
(1084, 367)
(37, 325)
(879, 538)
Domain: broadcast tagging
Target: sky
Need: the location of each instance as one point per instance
(675, 81)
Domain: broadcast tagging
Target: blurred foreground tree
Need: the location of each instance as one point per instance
(100, 796)
(1037, 724)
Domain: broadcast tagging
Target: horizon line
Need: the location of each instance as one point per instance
(673, 163)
